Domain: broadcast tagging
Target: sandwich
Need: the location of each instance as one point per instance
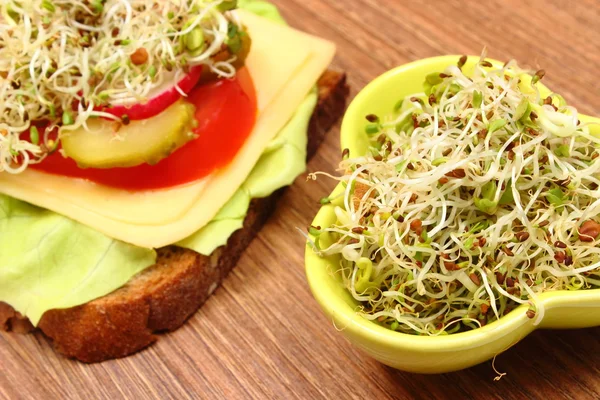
(143, 144)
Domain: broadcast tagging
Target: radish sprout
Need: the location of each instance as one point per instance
(475, 197)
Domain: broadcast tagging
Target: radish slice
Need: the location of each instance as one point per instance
(159, 102)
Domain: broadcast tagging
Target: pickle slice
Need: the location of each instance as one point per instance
(110, 144)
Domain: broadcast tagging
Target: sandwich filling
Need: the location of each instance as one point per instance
(82, 237)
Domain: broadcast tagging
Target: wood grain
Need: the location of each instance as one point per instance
(262, 335)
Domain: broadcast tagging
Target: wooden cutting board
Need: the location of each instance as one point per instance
(262, 335)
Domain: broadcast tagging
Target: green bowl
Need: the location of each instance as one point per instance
(427, 354)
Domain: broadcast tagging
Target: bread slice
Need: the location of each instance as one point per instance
(162, 297)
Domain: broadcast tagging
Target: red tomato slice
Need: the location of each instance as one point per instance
(226, 113)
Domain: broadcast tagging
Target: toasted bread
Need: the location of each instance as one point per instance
(162, 297)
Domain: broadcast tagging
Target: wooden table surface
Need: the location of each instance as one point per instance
(262, 335)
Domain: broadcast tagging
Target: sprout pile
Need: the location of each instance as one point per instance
(61, 60)
(475, 197)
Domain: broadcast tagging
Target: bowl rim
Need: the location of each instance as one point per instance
(346, 318)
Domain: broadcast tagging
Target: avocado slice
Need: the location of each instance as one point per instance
(110, 144)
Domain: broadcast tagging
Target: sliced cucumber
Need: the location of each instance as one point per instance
(110, 144)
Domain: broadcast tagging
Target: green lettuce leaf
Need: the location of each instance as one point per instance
(49, 261)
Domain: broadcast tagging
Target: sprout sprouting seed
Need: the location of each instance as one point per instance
(61, 60)
(476, 201)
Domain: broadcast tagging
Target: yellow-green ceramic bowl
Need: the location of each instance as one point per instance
(422, 354)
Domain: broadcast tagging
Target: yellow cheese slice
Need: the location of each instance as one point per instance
(284, 64)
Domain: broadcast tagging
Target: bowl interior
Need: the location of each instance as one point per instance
(379, 97)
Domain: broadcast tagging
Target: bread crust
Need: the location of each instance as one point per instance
(162, 297)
